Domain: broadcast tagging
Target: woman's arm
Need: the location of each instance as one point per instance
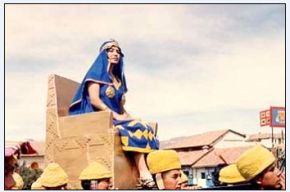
(94, 92)
(123, 101)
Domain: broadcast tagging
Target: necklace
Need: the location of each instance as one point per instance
(116, 82)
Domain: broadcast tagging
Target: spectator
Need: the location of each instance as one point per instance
(257, 166)
(95, 176)
(54, 177)
(165, 167)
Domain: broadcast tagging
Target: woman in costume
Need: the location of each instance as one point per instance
(103, 89)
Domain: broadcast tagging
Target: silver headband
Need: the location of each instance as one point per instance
(109, 44)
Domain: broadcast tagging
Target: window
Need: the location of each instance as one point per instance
(203, 175)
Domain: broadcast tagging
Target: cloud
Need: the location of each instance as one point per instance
(25, 102)
(184, 63)
(246, 70)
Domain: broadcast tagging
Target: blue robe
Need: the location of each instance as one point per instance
(135, 135)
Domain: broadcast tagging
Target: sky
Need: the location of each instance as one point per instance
(190, 67)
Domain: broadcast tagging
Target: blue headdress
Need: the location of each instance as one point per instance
(98, 73)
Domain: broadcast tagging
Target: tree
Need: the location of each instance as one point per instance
(29, 175)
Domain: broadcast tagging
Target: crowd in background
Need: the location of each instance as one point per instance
(254, 169)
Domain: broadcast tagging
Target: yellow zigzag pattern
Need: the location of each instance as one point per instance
(138, 134)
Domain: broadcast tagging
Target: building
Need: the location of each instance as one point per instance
(266, 139)
(31, 152)
(201, 153)
(202, 170)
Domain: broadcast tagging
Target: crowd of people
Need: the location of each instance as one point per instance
(255, 169)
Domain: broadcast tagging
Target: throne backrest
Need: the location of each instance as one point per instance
(65, 89)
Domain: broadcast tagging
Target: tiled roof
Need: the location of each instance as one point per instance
(38, 146)
(230, 155)
(261, 136)
(190, 157)
(199, 140)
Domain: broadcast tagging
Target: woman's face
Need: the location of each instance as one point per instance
(172, 179)
(114, 55)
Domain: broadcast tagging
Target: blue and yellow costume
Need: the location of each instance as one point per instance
(136, 136)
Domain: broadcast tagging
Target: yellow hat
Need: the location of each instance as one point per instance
(37, 184)
(18, 181)
(230, 174)
(163, 160)
(254, 161)
(95, 171)
(184, 178)
(53, 176)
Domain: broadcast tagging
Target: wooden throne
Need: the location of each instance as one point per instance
(75, 141)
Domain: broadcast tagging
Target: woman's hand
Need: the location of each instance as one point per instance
(124, 116)
(127, 115)
(120, 116)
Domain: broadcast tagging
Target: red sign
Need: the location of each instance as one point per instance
(273, 117)
(265, 118)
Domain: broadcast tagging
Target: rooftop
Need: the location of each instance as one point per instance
(196, 141)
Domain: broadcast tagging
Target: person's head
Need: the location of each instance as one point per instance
(256, 165)
(113, 50)
(184, 180)
(34, 165)
(165, 167)
(269, 178)
(54, 177)
(96, 176)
